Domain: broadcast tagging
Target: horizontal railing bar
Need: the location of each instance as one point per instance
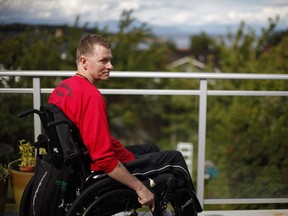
(146, 74)
(160, 92)
(246, 93)
(245, 201)
(139, 92)
(16, 90)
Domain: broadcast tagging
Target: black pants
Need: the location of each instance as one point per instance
(165, 161)
(161, 160)
(141, 149)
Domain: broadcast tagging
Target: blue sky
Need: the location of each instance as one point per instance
(185, 15)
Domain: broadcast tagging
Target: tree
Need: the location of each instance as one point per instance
(201, 46)
(250, 132)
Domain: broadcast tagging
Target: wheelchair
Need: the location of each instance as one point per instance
(67, 165)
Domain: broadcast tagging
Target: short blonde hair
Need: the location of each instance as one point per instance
(87, 44)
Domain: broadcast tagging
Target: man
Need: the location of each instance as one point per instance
(79, 98)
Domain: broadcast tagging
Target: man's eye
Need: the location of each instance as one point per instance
(105, 61)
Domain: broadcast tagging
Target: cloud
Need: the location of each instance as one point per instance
(154, 12)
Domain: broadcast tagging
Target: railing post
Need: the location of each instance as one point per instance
(36, 105)
(201, 140)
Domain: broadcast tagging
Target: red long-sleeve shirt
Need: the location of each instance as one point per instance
(83, 104)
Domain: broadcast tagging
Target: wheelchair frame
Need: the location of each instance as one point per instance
(96, 193)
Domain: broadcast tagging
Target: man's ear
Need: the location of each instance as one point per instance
(83, 61)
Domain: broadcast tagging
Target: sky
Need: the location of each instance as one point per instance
(163, 16)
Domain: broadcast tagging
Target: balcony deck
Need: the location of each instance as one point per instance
(282, 212)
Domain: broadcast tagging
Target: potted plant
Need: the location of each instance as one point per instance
(27, 156)
(4, 174)
(22, 169)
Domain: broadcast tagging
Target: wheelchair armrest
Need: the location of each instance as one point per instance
(58, 122)
(129, 165)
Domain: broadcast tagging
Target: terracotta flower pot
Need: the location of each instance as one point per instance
(28, 169)
(19, 180)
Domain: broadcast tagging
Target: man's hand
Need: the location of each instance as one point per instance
(146, 197)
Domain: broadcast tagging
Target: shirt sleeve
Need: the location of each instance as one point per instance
(122, 153)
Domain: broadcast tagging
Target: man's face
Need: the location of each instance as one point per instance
(99, 64)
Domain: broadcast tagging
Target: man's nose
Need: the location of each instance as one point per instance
(110, 66)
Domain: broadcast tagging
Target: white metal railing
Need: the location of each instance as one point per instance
(202, 92)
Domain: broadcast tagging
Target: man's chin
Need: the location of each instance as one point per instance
(105, 78)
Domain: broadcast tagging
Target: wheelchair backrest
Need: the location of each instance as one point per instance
(65, 145)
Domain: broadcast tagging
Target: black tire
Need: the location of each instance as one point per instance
(108, 197)
(25, 204)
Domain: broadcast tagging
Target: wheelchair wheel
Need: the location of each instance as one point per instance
(26, 198)
(106, 198)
